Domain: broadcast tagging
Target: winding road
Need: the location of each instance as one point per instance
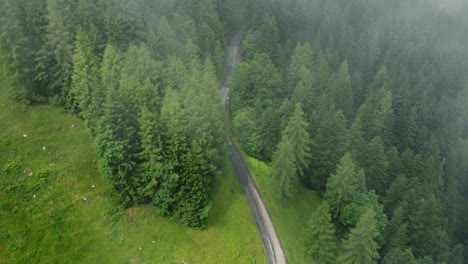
(271, 242)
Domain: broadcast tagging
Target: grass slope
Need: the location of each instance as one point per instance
(291, 217)
(66, 213)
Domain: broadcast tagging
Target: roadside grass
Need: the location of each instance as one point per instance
(56, 208)
(291, 217)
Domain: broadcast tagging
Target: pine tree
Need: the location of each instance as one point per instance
(343, 185)
(360, 247)
(375, 163)
(268, 37)
(150, 136)
(341, 91)
(85, 76)
(399, 256)
(14, 55)
(321, 236)
(329, 146)
(397, 231)
(283, 171)
(305, 91)
(302, 61)
(109, 77)
(60, 37)
(297, 135)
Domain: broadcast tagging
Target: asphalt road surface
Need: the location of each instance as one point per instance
(271, 242)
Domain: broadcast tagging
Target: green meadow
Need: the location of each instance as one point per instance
(55, 207)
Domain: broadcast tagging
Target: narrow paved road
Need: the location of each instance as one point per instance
(271, 242)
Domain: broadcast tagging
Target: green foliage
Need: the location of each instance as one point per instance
(373, 159)
(343, 186)
(341, 92)
(361, 247)
(245, 128)
(305, 91)
(302, 61)
(256, 84)
(298, 137)
(60, 37)
(360, 203)
(321, 236)
(398, 256)
(329, 146)
(85, 78)
(284, 171)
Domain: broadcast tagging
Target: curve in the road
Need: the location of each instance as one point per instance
(271, 241)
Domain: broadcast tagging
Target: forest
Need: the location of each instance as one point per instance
(364, 101)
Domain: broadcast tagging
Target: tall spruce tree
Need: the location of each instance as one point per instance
(360, 247)
(343, 185)
(320, 241)
(60, 39)
(283, 171)
(298, 136)
(85, 76)
(328, 147)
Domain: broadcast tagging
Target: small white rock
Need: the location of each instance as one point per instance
(84, 199)
(24, 135)
(44, 148)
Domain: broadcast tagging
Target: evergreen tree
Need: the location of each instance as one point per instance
(374, 162)
(341, 91)
(14, 55)
(301, 61)
(305, 92)
(268, 37)
(150, 134)
(85, 76)
(329, 146)
(60, 38)
(193, 197)
(296, 134)
(343, 185)
(360, 247)
(398, 256)
(360, 203)
(109, 78)
(397, 231)
(321, 236)
(283, 171)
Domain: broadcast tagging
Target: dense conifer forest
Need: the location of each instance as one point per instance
(364, 101)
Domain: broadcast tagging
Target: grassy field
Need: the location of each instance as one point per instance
(289, 218)
(56, 208)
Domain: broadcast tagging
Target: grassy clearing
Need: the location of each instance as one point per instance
(66, 213)
(289, 218)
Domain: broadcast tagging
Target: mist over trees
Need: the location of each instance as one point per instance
(383, 88)
(365, 101)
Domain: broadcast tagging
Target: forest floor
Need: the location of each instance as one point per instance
(291, 217)
(56, 208)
